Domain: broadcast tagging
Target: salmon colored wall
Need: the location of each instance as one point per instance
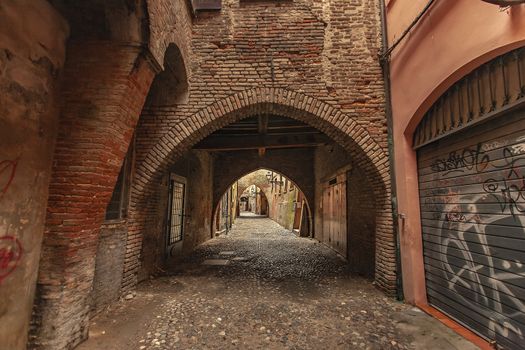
(400, 14)
(452, 39)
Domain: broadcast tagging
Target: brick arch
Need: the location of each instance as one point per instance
(342, 128)
(219, 189)
(241, 190)
(175, 15)
(259, 184)
(297, 181)
(233, 174)
(265, 193)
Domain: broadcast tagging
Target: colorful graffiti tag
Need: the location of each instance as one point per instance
(474, 233)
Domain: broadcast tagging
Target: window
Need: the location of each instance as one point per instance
(117, 208)
(177, 194)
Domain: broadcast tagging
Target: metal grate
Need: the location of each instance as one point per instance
(176, 219)
(491, 89)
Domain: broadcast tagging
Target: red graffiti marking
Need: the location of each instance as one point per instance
(9, 167)
(10, 255)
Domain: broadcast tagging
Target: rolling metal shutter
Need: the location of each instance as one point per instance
(472, 195)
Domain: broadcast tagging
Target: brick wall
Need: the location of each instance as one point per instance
(315, 61)
(105, 86)
(361, 225)
(170, 22)
(109, 265)
(329, 51)
(196, 168)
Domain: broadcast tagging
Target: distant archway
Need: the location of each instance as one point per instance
(258, 178)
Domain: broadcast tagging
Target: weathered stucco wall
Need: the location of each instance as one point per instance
(32, 52)
(282, 208)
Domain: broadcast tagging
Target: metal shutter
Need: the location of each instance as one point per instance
(472, 195)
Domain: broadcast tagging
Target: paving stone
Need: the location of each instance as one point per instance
(216, 262)
(228, 253)
(290, 293)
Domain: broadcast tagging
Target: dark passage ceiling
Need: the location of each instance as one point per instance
(263, 132)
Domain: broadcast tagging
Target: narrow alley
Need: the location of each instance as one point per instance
(262, 174)
(261, 287)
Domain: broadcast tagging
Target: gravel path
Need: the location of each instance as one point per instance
(261, 287)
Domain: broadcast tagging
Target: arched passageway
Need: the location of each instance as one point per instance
(264, 193)
(116, 155)
(344, 207)
(253, 200)
(180, 174)
(292, 134)
(132, 181)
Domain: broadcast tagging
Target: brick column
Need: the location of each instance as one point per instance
(105, 86)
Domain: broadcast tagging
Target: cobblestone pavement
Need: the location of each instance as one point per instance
(260, 287)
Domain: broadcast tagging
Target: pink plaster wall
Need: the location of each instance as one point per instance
(452, 39)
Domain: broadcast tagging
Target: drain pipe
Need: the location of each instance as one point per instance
(385, 65)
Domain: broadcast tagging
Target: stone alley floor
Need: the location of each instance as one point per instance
(260, 287)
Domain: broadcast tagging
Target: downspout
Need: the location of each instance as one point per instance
(388, 50)
(385, 65)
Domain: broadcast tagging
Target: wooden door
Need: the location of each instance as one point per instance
(334, 214)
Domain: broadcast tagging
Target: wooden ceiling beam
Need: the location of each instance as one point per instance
(234, 142)
(262, 124)
(269, 132)
(263, 129)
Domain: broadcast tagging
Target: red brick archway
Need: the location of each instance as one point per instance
(342, 128)
(263, 185)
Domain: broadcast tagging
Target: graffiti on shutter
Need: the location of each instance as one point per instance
(472, 195)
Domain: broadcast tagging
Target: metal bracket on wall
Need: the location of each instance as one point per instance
(402, 218)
